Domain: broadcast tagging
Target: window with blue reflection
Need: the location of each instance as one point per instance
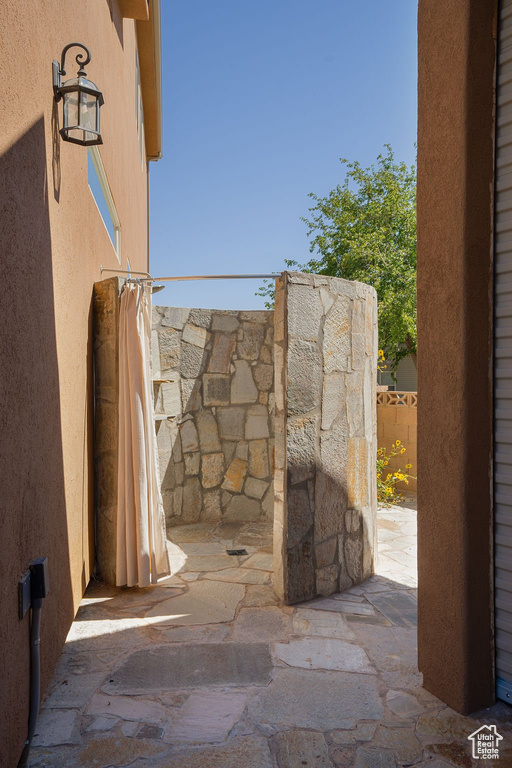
(100, 189)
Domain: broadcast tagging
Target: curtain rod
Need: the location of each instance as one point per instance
(150, 279)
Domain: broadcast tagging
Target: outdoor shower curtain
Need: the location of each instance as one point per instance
(141, 541)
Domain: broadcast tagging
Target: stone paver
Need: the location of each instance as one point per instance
(75, 691)
(403, 704)
(363, 732)
(103, 723)
(206, 716)
(321, 624)
(256, 625)
(241, 576)
(211, 633)
(260, 561)
(116, 750)
(217, 562)
(247, 752)
(402, 741)
(259, 596)
(341, 606)
(319, 700)
(400, 608)
(56, 727)
(205, 602)
(128, 708)
(302, 748)
(369, 757)
(323, 653)
(198, 672)
(175, 667)
(393, 651)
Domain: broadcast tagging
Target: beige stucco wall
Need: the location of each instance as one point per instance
(53, 243)
(399, 422)
(456, 60)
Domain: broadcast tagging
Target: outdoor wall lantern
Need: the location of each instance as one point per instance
(81, 101)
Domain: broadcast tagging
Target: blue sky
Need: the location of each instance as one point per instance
(260, 100)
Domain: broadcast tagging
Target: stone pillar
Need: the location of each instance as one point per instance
(326, 435)
(107, 294)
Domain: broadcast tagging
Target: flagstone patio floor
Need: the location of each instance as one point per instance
(207, 670)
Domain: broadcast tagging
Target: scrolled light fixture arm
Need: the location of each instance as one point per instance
(59, 71)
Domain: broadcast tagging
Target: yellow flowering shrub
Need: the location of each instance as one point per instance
(387, 492)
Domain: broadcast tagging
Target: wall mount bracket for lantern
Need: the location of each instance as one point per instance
(82, 100)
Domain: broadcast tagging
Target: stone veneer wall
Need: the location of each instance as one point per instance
(326, 435)
(213, 373)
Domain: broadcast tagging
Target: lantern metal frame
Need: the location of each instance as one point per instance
(80, 85)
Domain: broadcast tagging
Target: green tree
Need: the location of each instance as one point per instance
(365, 229)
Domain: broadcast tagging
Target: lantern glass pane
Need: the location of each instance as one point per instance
(81, 113)
(70, 109)
(88, 115)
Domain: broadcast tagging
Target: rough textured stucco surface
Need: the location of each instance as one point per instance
(214, 401)
(455, 183)
(326, 435)
(53, 243)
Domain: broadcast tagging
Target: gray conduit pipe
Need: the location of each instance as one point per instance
(35, 677)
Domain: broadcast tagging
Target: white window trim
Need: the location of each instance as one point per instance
(105, 186)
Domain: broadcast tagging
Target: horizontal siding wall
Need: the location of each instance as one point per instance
(503, 361)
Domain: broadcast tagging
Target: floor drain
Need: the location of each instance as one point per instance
(238, 552)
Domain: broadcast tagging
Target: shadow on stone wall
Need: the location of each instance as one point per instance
(214, 405)
(326, 503)
(330, 545)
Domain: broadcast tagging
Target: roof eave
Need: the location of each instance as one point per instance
(150, 62)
